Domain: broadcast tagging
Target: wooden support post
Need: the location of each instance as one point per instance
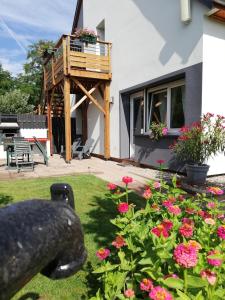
(67, 118)
(107, 120)
(49, 114)
(84, 108)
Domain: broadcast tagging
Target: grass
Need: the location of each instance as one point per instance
(94, 211)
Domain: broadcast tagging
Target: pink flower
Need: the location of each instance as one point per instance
(127, 180)
(146, 285)
(167, 203)
(156, 185)
(129, 293)
(160, 230)
(184, 129)
(167, 224)
(211, 205)
(174, 209)
(103, 253)
(209, 275)
(215, 191)
(209, 221)
(123, 207)
(159, 293)
(147, 194)
(185, 255)
(111, 186)
(119, 242)
(220, 216)
(195, 245)
(160, 161)
(221, 232)
(187, 221)
(164, 131)
(186, 230)
(214, 262)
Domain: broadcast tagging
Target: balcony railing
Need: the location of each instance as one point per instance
(76, 58)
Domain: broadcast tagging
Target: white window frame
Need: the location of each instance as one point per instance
(161, 88)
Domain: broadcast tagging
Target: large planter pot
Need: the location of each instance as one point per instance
(88, 39)
(196, 174)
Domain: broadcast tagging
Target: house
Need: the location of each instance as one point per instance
(166, 64)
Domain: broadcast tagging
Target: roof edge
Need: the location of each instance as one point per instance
(76, 15)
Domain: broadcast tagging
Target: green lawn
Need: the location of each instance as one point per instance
(94, 210)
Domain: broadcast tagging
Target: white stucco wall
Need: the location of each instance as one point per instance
(213, 95)
(148, 41)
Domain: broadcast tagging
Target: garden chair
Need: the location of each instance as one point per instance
(75, 146)
(41, 150)
(23, 155)
(84, 151)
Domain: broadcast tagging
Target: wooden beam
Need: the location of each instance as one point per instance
(67, 118)
(84, 108)
(49, 114)
(95, 101)
(107, 120)
(84, 98)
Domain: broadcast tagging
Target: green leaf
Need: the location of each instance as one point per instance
(108, 267)
(145, 261)
(183, 296)
(174, 283)
(196, 282)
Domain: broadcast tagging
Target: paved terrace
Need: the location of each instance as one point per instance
(106, 170)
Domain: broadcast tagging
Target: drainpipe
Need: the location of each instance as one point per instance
(185, 9)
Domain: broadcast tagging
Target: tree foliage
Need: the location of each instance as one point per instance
(6, 81)
(15, 102)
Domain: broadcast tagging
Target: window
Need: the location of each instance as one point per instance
(138, 115)
(166, 105)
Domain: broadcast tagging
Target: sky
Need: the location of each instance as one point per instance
(23, 22)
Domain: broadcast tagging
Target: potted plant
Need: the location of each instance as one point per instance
(86, 35)
(158, 130)
(197, 143)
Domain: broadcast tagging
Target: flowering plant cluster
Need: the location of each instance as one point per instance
(171, 248)
(198, 142)
(158, 130)
(81, 32)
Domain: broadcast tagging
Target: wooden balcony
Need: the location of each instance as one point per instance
(74, 58)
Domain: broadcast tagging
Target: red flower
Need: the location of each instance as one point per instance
(111, 186)
(160, 230)
(167, 203)
(167, 224)
(186, 230)
(127, 180)
(119, 242)
(123, 207)
(184, 129)
(160, 161)
(188, 221)
(174, 209)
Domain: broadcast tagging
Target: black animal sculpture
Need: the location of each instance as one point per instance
(39, 236)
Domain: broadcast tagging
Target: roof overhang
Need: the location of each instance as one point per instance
(217, 9)
(76, 16)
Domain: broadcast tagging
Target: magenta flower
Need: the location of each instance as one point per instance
(146, 285)
(214, 261)
(211, 205)
(164, 131)
(221, 232)
(123, 207)
(167, 203)
(160, 161)
(111, 186)
(156, 185)
(102, 253)
(159, 293)
(209, 275)
(127, 180)
(185, 255)
(174, 209)
(215, 191)
(167, 224)
(186, 230)
(129, 293)
(160, 230)
(187, 221)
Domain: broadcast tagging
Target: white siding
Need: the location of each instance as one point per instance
(213, 95)
(149, 41)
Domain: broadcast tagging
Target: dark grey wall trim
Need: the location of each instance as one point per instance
(146, 150)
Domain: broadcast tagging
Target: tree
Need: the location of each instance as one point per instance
(15, 102)
(6, 81)
(32, 80)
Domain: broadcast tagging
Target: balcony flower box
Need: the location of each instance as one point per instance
(86, 36)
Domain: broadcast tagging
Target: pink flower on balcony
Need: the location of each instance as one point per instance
(221, 232)
(123, 207)
(164, 131)
(185, 255)
(215, 191)
(127, 180)
(146, 285)
(111, 186)
(147, 194)
(160, 230)
(216, 262)
(119, 242)
(129, 293)
(156, 185)
(174, 209)
(186, 230)
(102, 253)
(209, 275)
(159, 293)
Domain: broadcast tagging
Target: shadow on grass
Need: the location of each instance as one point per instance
(30, 296)
(102, 230)
(5, 200)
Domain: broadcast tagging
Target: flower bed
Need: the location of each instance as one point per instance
(171, 249)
